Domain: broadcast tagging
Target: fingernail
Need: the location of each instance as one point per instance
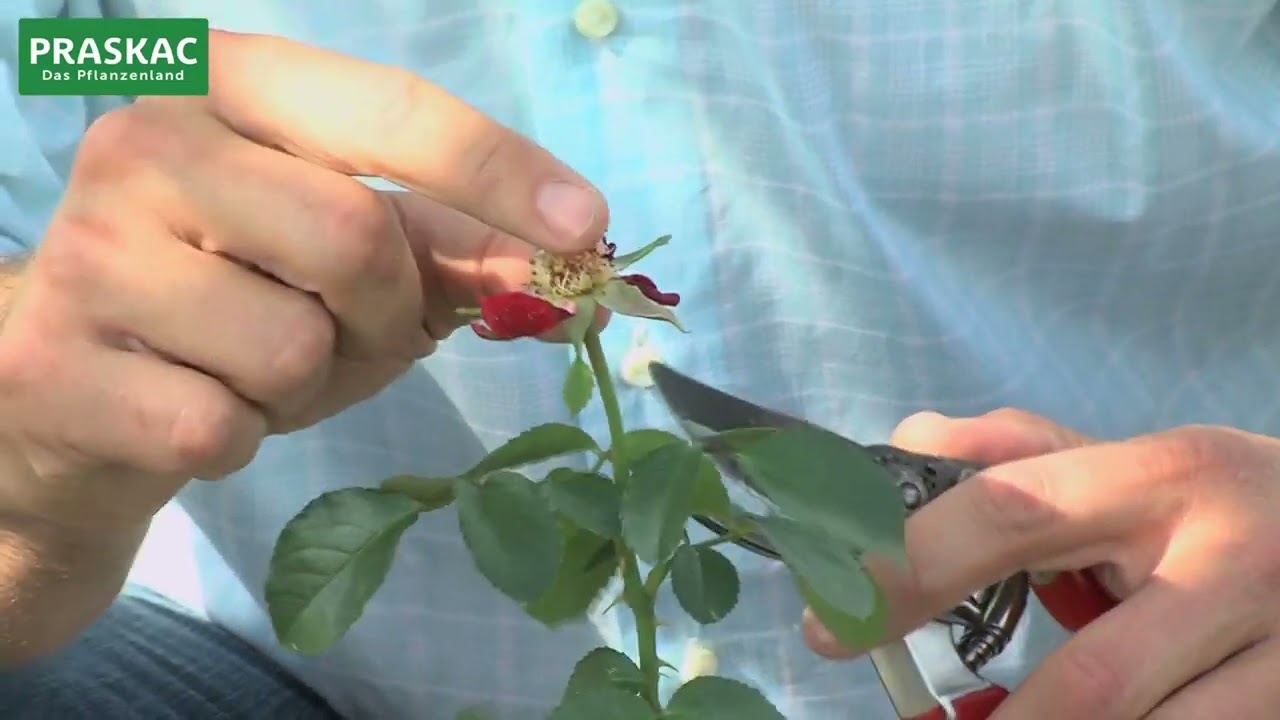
(568, 209)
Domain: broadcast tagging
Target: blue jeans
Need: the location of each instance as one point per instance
(150, 659)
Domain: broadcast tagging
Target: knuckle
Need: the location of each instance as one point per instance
(1091, 680)
(481, 170)
(149, 142)
(77, 254)
(29, 362)
(402, 106)
(113, 133)
(209, 434)
(1014, 509)
(117, 140)
(361, 233)
(306, 344)
(1191, 452)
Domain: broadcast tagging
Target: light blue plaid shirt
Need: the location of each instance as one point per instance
(878, 207)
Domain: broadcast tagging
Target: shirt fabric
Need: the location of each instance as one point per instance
(876, 207)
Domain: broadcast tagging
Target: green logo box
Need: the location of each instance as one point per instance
(113, 56)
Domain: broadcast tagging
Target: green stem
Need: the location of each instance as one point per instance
(600, 461)
(638, 598)
(609, 397)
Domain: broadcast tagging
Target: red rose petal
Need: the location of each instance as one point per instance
(516, 315)
(651, 291)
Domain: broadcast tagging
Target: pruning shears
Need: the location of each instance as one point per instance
(981, 627)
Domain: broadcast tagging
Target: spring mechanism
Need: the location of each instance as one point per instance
(986, 621)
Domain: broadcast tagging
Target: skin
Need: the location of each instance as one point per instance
(215, 274)
(1181, 526)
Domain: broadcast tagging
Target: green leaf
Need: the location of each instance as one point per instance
(717, 698)
(431, 493)
(328, 562)
(645, 440)
(512, 534)
(710, 498)
(622, 262)
(854, 633)
(473, 713)
(658, 501)
(579, 385)
(587, 564)
(705, 582)
(821, 479)
(605, 667)
(829, 566)
(538, 443)
(626, 299)
(603, 703)
(589, 499)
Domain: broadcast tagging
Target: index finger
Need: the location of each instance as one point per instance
(362, 118)
(1053, 512)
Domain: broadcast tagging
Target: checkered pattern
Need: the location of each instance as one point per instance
(878, 207)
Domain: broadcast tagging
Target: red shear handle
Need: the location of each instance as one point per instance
(977, 705)
(1074, 598)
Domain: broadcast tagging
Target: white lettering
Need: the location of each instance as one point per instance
(133, 51)
(39, 46)
(112, 46)
(62, 51)
(88, 52)
(182, 51)
(162, 52)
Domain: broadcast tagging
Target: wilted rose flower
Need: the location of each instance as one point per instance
(567, 286)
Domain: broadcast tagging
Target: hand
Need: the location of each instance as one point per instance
(1182, 526)
(215, 272)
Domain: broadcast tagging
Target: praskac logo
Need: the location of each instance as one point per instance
(113, 56)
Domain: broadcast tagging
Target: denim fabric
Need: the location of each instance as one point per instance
(150, 659)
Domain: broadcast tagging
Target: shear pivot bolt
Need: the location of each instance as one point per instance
(911, 495)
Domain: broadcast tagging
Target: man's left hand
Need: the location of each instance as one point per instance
(1182, 526)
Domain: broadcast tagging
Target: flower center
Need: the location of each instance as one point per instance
(569, 276)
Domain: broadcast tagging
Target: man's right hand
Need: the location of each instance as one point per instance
(216, 274)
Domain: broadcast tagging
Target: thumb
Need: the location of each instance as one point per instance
(999, 436)
(461, 259)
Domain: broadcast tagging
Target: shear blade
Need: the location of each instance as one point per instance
(703, 412)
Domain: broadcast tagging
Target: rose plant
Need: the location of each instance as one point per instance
(553, 546)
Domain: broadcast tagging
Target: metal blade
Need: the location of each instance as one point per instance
(903, 681)
(710, 409)
(703, 410)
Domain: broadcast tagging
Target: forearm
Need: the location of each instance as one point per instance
(54, 581)
(54, 584)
